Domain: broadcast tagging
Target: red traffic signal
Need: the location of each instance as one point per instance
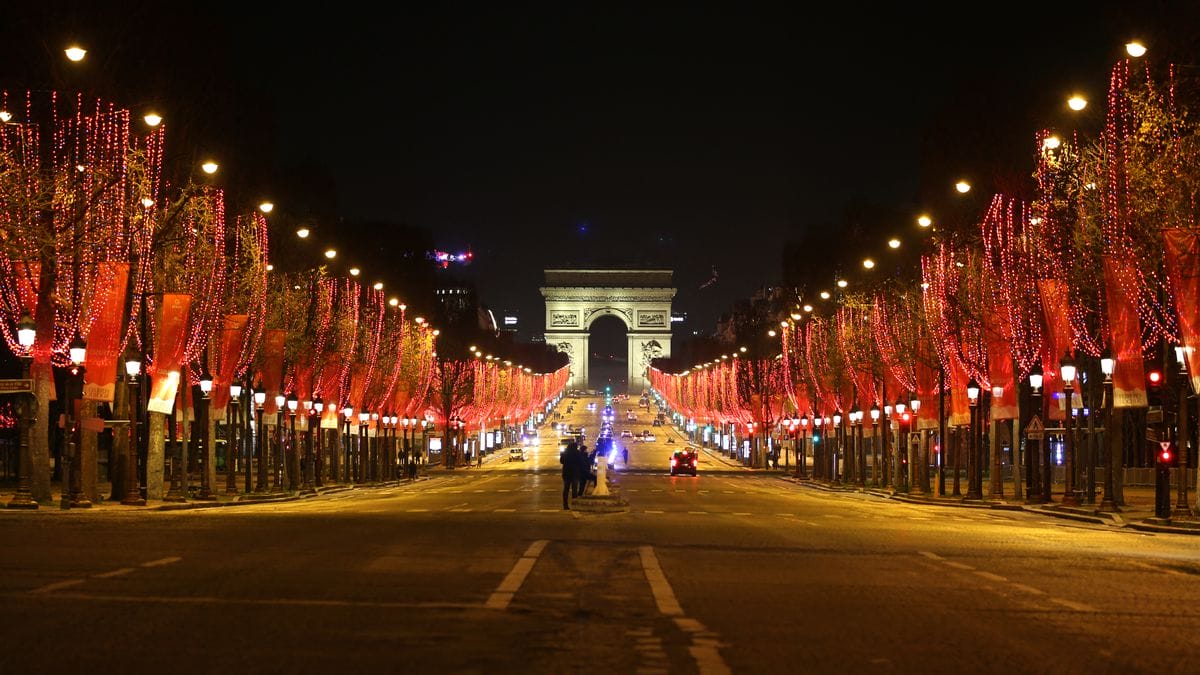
(1154, 377)
(1165, 454)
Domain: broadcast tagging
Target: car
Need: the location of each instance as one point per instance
(626, 433)
(591, 406)
(630, 416)
(648, 437)
(656, 423)
(684, 461)
(516, 454)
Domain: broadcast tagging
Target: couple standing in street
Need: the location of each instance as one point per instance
(576, 471)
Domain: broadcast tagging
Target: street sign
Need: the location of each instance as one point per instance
(1165, 445)
(15, 386)
(1154, 415)
(1035, 429)
(1152, 435)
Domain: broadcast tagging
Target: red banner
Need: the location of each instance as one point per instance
(1000, 369)
(104, 336)
(1055, 305)
(233, 335)
(1129, 376)
(960, 405)
(271, 374)
(1183, 272)
(168, 352)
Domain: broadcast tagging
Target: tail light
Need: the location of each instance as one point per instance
(672, 461)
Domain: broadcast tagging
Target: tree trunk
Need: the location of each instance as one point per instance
(89, 462)
(210, 449)
(39, 437)
(118, 453)
(155, 455)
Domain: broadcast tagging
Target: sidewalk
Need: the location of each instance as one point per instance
(1136, 514)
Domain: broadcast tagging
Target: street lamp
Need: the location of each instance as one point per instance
(875, 459)
(1108, 365)
(360, 464)
(837, 434)
(277, 455)
(72, 488)
(1067, 369)
(319, 451)
(1036, 379)
(347, 412)
(919, 472)
(260, 400)
(860, 457)
(202, 409)
(1183, 510)
(973, 491)
(26, 335)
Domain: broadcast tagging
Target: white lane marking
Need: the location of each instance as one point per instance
(651, 511)
(507, 490)
(1027, 589)
(503, 510)
(426, 510)
(705, 513)
(931, 556)
(990, 577)
(741, 513)
(786, 515)
(664, 596)
(115, 573)
(162, 561)
(477, 491)
(516, 576)
(57, 585)
(459, 510)
(549, 510)
(657, 490)
(958, 565)
(1077, 606)
(728, 492)
(260, 602)
(704, 651)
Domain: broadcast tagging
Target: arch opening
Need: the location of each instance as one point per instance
(608, 354)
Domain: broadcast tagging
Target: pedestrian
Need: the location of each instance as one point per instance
(625, 457)
(570, 472)
(585, 470)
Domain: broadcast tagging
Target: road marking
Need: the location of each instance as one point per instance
(657, 490)
(741, 513)
(1027, 589)
(507, 490)
(115, 573)
(57, 585)
(705, 513)
(704, 651)
(477, 491)
(459, 510)
(991, 577)
(652, 511)
(958, 565)
(503, 510)
(418, 510)
(162, 561)
(664, 596)
(931, 556)
(1077, 606)
(786, 515)
(549, 510)
(728, 492)
(512, 582)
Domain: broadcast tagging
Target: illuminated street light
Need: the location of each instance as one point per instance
(354, 271)
(5, 116)
(924, 221)
(147, 202)
(893, 243)
(796, 316)
(76, 53)
(1077, 103)
(378, 286)
(842, 283)
(1134, 49)
(1051, 143)
(868, 263)
(152, 119)
(210, 167)
(825, 295)
(772, 332)
(394, 302)
(962, 186)
(303, 233)
(266, 207)
(807, 308)
(330, 253)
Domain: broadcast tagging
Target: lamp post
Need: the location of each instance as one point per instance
(307, 471)
(974, 491)
(206, 384)
(1036, 379)
(72, 490)
(319, 451)
(277, 455)
(860, 456)
(1183, 509)
(404, 446)
(292, 456)
(1108, 366)
(919, 466)
(232, 448)
(901, 479)
(360, 468)
(347, 411)
(1067, 369)
(837, 433)
(875, 458)
(886, 454)
(23, 499)
(802, 452)
(818, 457)
(260, 400)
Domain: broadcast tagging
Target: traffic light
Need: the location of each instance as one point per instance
(1154, 381)
(1166, 455)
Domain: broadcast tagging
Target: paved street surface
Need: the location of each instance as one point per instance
(481, 571)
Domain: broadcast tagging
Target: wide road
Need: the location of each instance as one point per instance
(481, 571)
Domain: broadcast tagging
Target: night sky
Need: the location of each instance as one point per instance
(679, 136)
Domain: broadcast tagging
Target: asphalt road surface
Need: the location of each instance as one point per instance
(481, 571)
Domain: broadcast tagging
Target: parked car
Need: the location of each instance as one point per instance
(683, 461)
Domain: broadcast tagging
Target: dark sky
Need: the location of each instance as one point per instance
(682, 136)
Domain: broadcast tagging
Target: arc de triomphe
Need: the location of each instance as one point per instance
(641, 298)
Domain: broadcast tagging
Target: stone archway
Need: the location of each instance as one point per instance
(640, 298)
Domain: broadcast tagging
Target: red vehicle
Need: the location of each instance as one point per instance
(684, 461)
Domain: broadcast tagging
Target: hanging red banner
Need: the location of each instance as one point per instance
(927, 382)
(1183, 272)
(1129, 376)
(1000, 369)
(104, 336)
(233, 335)
(960, 405)
(1055, 305)
(168, 352)
(271, 373)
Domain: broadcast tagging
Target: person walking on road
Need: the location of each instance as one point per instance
(585, 470)
(570, 472)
